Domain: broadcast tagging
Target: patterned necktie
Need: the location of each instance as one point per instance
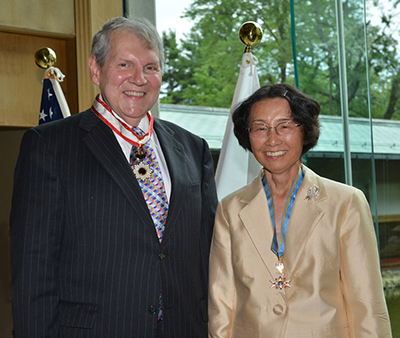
(148, 172)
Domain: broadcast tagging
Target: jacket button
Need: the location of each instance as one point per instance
(278, 309)
(152, 310)
(161, 256)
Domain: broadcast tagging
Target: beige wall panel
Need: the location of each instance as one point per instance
(90, 17)
(21, 79)
(39, 15)
(83, 19)
(103, 11)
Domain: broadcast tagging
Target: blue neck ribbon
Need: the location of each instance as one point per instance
(279, 249)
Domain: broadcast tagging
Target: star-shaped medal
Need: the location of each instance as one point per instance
(280, 282)
(142, 171)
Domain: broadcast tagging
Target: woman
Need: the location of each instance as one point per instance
(320, 277)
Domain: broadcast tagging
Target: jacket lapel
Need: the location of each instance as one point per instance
(102, 143)
(177, 167)
(306, 216)
(257, 221)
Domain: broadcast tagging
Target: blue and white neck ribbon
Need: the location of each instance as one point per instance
(279, 248)
(281, 282)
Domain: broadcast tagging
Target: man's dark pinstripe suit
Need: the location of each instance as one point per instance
(86, 260)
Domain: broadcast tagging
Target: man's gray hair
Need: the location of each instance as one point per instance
(141, 28)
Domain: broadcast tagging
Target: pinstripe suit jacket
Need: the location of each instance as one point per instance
(86, 260)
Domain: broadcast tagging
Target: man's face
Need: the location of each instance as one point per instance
(130, 79)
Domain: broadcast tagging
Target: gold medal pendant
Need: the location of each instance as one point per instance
(280, 282)
(142, 170)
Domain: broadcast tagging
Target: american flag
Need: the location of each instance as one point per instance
(53, 105)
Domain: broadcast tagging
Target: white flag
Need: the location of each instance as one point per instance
(236, 166)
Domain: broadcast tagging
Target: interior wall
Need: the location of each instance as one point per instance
(56, 17)
(25, 27)
(21, 84)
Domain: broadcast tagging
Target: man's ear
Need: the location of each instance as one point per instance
(94, 70)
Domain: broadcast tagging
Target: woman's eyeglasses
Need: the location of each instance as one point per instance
(283, 128)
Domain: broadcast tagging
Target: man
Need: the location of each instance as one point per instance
(92, 256)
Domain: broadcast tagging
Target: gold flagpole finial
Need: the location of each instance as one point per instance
(250, 34)
(45, 57)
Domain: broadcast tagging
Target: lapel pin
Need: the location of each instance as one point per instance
(312, 193)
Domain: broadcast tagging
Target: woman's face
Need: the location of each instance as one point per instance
(276, 153)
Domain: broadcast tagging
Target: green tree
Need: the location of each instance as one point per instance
(177, 71)
(385, 65)
(318, 61)
(211, 54)
(218, 52)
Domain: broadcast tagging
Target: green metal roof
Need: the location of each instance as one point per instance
(210, 123)
(386, 135)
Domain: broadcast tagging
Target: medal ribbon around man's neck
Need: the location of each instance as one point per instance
(280, 282)
(104, 112)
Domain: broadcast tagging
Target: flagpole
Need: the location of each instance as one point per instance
(237, 167)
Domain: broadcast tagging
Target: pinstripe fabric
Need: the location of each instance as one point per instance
(86, 260)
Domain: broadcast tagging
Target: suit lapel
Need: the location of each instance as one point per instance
(306, 216)
(102, 143)
(257, 221)
(177, 167)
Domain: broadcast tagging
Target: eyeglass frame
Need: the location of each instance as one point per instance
(276, 127)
